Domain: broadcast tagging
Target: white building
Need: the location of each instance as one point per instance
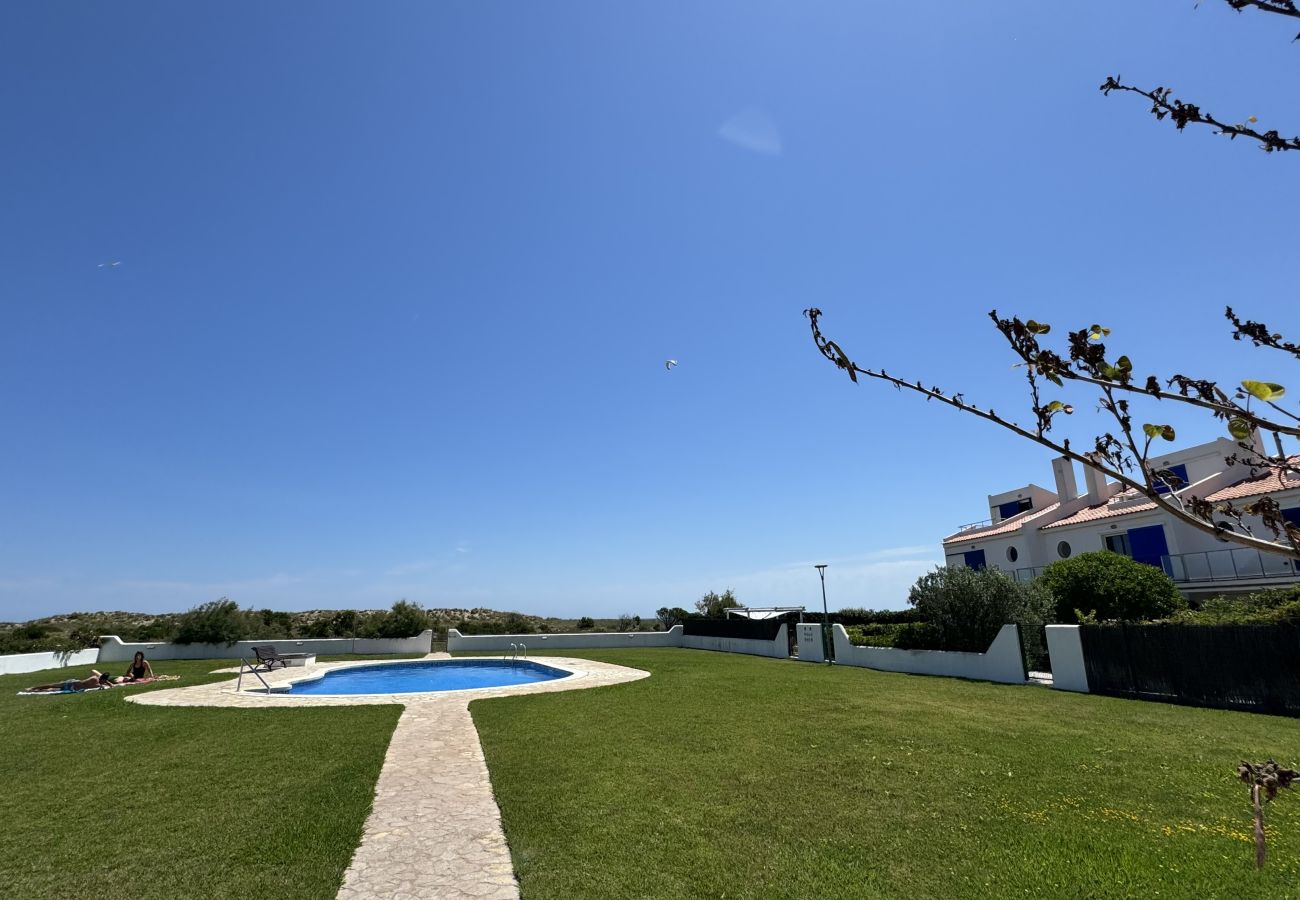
(1031, 526)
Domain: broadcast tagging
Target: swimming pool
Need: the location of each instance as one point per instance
(427, 675)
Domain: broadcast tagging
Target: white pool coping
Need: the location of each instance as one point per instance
(318, 673)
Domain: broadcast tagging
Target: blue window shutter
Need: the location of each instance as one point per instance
(1148, 544)
(1180, 471)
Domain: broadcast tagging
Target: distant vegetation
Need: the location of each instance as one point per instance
(223, 621)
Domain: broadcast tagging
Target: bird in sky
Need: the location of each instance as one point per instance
(111, 265)
(669, 363)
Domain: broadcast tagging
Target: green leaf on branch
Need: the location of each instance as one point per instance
(1038, 327)
(1239, 429)
(1096, 332)
(1263, 390)
(1158, 431)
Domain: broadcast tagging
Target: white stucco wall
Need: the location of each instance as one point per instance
(35, 662)
(495, 643)
(1066, 651)
(811, 648)
(1002, 662)
(675, 637)
(113, 649)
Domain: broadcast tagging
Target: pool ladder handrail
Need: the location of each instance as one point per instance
(252, 669)
(515, 650)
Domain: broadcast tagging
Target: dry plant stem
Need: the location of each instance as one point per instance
(1261, 849)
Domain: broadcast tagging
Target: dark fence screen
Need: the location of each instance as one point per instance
(1248, 667)
(760, 630)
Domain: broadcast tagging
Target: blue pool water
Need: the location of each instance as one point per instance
(431, 675)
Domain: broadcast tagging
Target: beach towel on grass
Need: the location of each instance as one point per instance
(88, 690)
(59, 693)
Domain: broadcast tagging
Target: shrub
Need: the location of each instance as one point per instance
(215, 622)
(874, 635)
(856, 615)
(963, 608)
(586, 622)
(1111, 587)
(518, 623)
(1278, 605)
(714, 605)
(404, 620)
(35, 638)
(669, 616)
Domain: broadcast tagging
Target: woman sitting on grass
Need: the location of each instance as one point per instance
(72, 685)
(140, 669)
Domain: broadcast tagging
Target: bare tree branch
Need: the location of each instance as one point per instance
(1109, 457)
(1280, 7)
(1182, 114)
(1259, 334)
(1087, 364)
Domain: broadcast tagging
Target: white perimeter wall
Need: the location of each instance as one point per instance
(112, 648)
(496, 643)
(1066, 651)
(1002, 661)
(778, 648)
(34, 662)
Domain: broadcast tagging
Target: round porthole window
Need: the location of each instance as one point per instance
(1063, 549)
(1012, 554)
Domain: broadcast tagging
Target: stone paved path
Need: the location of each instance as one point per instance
(434, 830)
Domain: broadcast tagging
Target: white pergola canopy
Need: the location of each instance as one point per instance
(762, 612)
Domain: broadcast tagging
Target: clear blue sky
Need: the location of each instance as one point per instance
(398, 281)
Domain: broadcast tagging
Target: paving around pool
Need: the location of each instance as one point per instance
(434, 829)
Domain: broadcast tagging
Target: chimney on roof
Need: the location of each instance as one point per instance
(1063, 470)
(1095, 482)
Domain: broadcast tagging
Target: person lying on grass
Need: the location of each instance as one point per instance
(96, 680)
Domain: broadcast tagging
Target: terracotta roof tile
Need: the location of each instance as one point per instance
(1006, 526)
(1253, 487)
(1108, 510)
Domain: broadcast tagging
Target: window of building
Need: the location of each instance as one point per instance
(1177, 474)
(1015, 507)
(1012, 554)
(1118, 543)
(1063, 550)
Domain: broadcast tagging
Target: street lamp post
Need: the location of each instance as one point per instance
(826, 616)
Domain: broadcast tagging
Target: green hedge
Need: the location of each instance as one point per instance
(1271, 607)
(905, 636)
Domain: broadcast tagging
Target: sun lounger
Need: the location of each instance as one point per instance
(269, 657)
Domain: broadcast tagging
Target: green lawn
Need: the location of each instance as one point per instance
(101, 797)
(734, 776)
